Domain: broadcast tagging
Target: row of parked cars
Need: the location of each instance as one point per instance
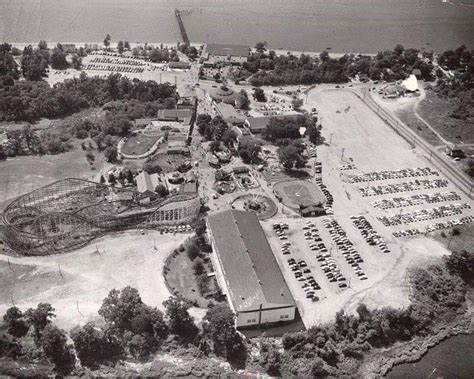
(408, 201)
(299, 267)
(433, 227)
(424, 214)
(329, 198)
(368, 232)
(345, 246)
(413, 185)
(391, 174)
(327, 263)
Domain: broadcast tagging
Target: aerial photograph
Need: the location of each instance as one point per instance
(237, 188)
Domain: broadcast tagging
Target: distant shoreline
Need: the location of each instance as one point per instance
(334, 54)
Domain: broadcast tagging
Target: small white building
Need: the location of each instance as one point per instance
(247, 271)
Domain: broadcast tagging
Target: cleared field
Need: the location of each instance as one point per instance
(138, 144)
(24, 174)
(76, 283)
(299, 192)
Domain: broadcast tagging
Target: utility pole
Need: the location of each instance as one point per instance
(342, 154)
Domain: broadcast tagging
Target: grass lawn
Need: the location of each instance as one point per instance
(464, 241)
(138, 144)
(23, 174)
(436, 110)
(181, 281)
(408, 117)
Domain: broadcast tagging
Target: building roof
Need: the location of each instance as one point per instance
(224, 94)
(259, 124)
(252, 274)
(186, 91)
(229, 113)
(227, 50)
(147, 182)
(143, 121)
(184, 114)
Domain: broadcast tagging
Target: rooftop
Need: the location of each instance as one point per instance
(259, 124)
(147, 182)
(184, 114)
(251, 271)
(227, 50)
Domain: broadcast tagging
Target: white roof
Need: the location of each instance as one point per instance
(411, 84)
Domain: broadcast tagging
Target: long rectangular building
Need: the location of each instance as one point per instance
(247, 270)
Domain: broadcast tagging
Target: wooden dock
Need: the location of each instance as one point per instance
(182, 29)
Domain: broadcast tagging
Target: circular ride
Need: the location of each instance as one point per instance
(261, 205)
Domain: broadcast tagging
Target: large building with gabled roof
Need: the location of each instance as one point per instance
(247, 270)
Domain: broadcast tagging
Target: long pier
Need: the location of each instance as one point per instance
(182, 29)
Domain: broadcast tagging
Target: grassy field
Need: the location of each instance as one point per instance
(407, 116)
(436, 110)
(20, 175)
(463, 241)
(138, 144)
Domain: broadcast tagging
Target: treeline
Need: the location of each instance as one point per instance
(266, 68)
(338, 349)
(32, 100)
(129, 329)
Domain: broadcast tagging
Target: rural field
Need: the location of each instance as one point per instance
(76, 283)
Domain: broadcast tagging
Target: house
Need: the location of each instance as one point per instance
(146, 186)
(178, 147)
(187, 95)
(184, 115)
(454, 151)
(142, 122)
(247, 271)
(410, 84)
(312, 210)
(213, 54)
(179, 65)
(229, 114)
(258, 125)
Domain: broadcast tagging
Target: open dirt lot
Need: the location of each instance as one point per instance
(357, 136)
(76, 283)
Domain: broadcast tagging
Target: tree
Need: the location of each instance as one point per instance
(261, 47)
(291, 156)
(111, 154)
(8, 66)
(399, 49)
(198, 267)
(192, 250)
(76, 62)
(102, 179)
(270, 359)
(461, 263)
(162, 190)
(297, 104)
(95, 346)
(180, 321)
(259, 95)
(120, 47)
(107, 41)
(314, 135)
(54, 344)
(42, 45)
(249, 151)
(242, 101)
(324, 56)
(58, 59)
(39, 318)
(33, 64)
(112, 179)
(126, 45)
(219, 326)
(15, 322)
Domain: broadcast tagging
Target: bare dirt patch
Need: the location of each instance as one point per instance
(76, 283)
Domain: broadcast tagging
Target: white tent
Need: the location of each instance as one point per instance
(410, 84)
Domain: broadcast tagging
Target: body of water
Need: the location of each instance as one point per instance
(306, 25)
(452, 358)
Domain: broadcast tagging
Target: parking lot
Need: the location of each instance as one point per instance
(371, 182)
